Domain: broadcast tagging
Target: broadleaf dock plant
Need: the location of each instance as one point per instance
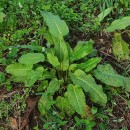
(66, 73)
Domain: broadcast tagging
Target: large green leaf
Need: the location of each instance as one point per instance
(77, 99)
(31, 58)
(53, 86)
(19, 69)
(57, 27)
(89, 85)
(45, 103)
(104, 13)
(89, 64)
(109, 76)
(64, 105)
(119, 24)
(53, 59)
(120, 48)
(82, 49)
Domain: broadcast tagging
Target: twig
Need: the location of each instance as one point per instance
(108, 55)
(8, 94)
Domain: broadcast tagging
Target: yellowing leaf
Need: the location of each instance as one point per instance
(120, 48)
(88, 112)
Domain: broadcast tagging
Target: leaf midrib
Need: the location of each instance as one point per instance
(91, 87)
(58, 28)
(56, 84)
(33, 77)
(77, 100)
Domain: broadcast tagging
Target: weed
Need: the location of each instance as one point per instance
(66, 75)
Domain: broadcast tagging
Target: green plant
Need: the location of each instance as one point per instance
(104, 13)
(121, 6)
(119, 24)
(119, 46)
(81, 17)
(65, 74)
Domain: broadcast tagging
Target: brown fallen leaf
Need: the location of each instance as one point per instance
(31, 103)
(13, 123)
